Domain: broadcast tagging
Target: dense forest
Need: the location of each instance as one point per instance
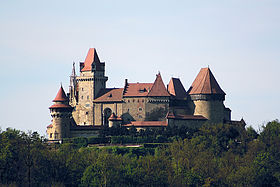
(216, 155)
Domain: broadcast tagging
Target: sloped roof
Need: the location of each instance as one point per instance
(137, 89)
(50, 126)
(176, 88)
(60, 96)
(158, 88)
(114, 117)
(205, 83)
(171, 115)
(92, 57)
(110, 95)
(146, 124)
(60, 106)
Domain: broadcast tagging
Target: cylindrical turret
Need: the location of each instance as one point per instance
(61, 113)
(208, 97)
(114, 120)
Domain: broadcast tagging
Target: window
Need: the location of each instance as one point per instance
(55, 135)
(128, 101)
(87, 97)
(82, 97)
(50, 135)
(82, 89)
(86, 113)
(140, 116)
(140, 109)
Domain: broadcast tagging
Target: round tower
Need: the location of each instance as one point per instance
(208, 97)
(114, 120)
(61, 113)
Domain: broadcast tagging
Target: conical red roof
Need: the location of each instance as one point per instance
(158, 88)
(91, 58)
(60, 96)
(205, 83)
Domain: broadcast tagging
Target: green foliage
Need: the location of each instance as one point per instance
(217, 155)
(98, 140)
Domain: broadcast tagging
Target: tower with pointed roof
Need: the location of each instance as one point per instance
(86, 87)
(61, 113)
(208, 97)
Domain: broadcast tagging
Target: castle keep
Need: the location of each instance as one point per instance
(90, 105)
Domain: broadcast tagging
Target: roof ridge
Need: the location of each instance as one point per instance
(204, 80)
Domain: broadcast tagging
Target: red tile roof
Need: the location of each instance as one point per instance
(114, 117)
(171, 115)
(158, 88)
(91, 57)
(110, 95)
(176, 88)
(146, 124)
(60, 106)
(205, 83)
(60, 96)
(50, 126)
(137, 89)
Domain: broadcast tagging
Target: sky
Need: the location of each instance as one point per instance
(39, 40)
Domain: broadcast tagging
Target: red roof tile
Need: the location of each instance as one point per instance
(110, 95)
(50, 126)
(91, 57)
(176, 88)
(158, 88)
(60, 106)
(205, 83)
(146, 124)
(171, 115)
(138, 89)
(114, 117)
(60, 96)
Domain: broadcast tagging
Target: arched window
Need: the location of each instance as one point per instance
(106, 114)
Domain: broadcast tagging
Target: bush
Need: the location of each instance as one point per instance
(98, 140)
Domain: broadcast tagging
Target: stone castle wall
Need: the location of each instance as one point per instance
(99, 109)
(60, 123)
(134, 109)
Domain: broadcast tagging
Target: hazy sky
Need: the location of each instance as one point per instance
(238, 39)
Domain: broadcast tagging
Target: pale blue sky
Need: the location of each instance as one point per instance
(238, 39)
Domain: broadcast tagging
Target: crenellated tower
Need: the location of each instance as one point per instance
(61, 113)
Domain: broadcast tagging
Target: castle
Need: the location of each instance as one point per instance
(90, 105)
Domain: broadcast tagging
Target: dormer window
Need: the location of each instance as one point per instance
(110, 95)
(142, 90)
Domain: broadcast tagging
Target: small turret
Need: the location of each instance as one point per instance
(114, 120)
(61, 116)
(208, 97)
